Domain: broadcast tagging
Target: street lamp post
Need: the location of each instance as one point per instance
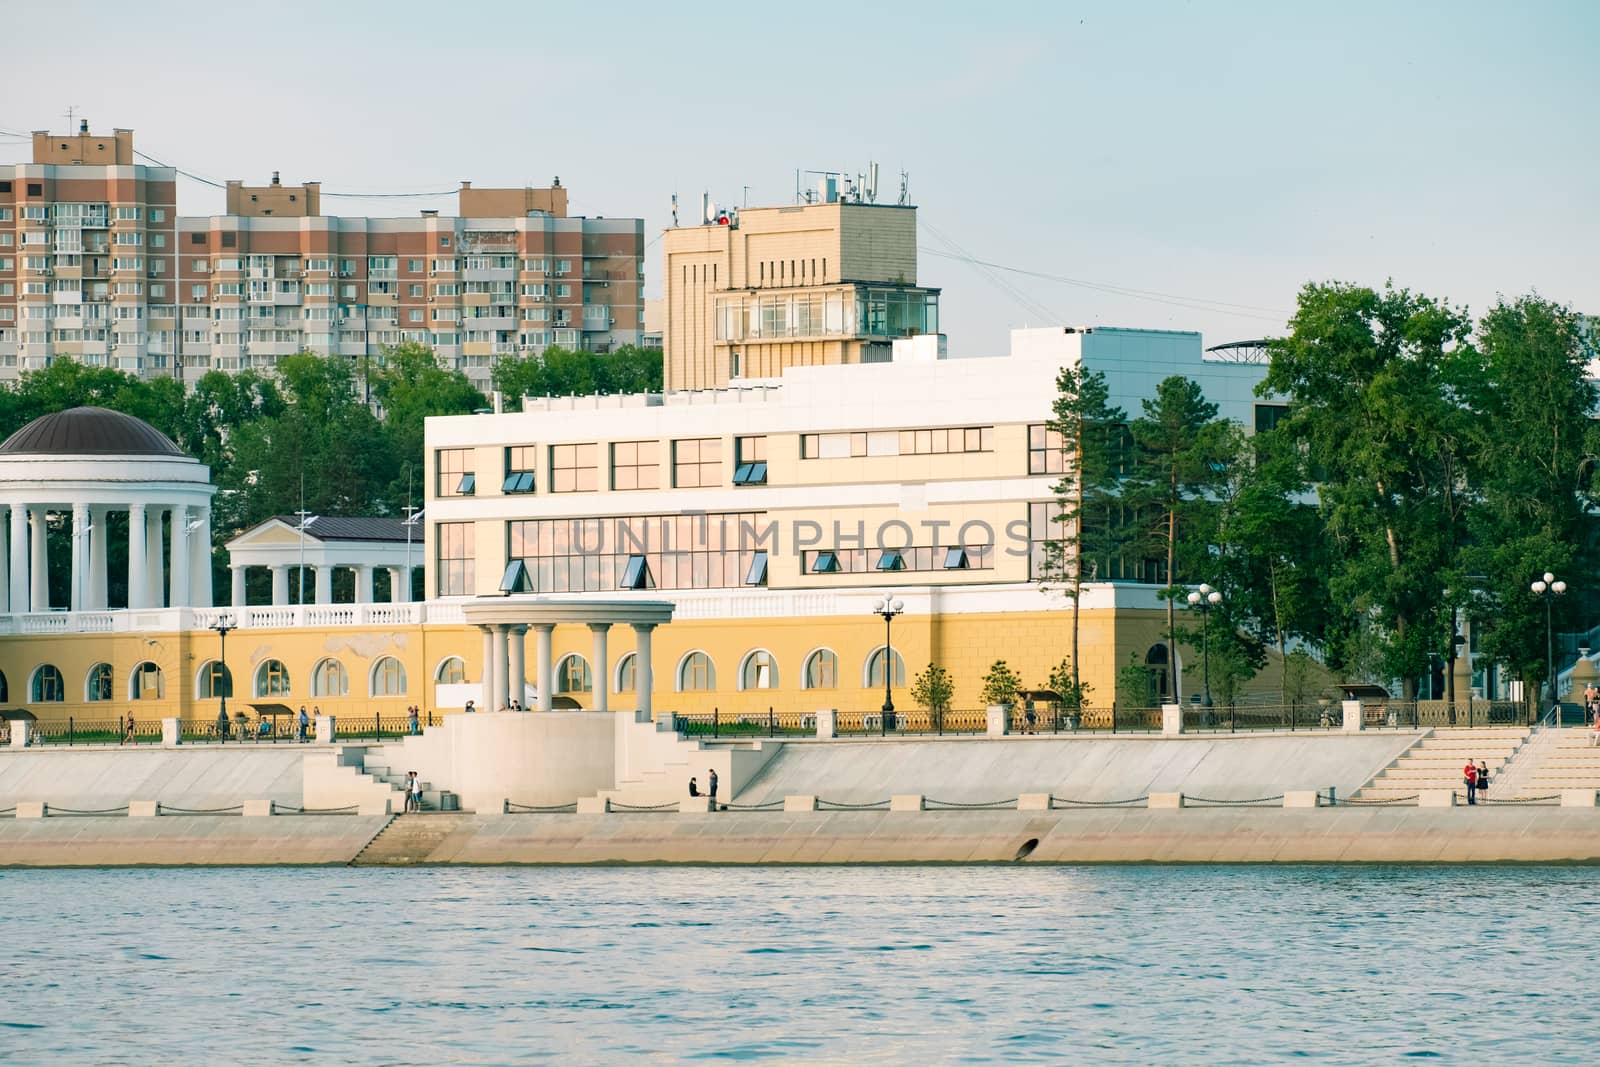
(306, 519)
(1205, 598)
(888, 609)
(1548, 588)
(224, 626)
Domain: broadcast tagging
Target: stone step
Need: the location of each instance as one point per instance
(409, 839)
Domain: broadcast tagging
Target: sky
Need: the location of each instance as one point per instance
(1165, 165)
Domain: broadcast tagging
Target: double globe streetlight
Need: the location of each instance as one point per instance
(887, 609)
(1205, 598)
(1548, 588)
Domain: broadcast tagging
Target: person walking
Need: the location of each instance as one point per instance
(1483, 779)
(222, 726)
(127, 732)
(414, 712)
(405, 788)
(1470, 775)
(302, 725)
(712, 789)
(416, 791)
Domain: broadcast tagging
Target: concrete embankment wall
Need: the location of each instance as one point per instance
(977, 770)
(196, 777)
(1216, 835)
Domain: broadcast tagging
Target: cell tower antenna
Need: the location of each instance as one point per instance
(905, 188)
(72, 113)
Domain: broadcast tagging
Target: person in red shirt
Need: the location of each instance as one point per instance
(1470, 773)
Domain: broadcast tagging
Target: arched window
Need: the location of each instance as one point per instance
(147, 682)
(696, 673)
(759, 670)
(99, 684)
(47, 686)
(572, 675)
(627, 679)
(821, 670)
(272, 679)
(452, 671)
(874, 673)
(5, 690)
(213, 681)
(1155, 661)
(328, 679)
(388, 678)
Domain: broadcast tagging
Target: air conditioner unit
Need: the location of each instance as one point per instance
(432, 273)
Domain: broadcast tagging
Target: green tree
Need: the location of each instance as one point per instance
(561, 371)
(1136, 687)
(1179, 454)
(1001, 685)
(1365, 374)
(410, 386)
(1088, 430)
(1065, 682)
(933, 689)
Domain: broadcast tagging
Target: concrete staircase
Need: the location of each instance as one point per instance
(1437, 759)
(408, 839)
(655, 764)
(337, 778)
(375, 762)
(1567, 759)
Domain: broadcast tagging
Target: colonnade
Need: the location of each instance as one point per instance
(322, 582)
(182, 564)
(505, 671)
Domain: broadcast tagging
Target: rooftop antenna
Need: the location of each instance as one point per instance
(674, 210)
(72, 113)
(905, 187)
(746, 196)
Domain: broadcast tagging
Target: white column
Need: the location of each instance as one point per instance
(155, 576)
(502, 667)
(487, 670)
(200, 592)
(644, 675)
(5, 574)
(97, 596)
(179, 594)
(518, 661)
(40, 598)
(544, 670)
(80, 557)
(138, 569)
(364, 583)
(600, 672)
(239, 574)
(324, 585)
(19, 559)
(397, 591)
(280, 584)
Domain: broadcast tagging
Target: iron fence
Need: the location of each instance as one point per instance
(75, 731)
(1417, 714)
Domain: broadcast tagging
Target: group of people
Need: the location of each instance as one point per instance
(413, 790)
(414, 719)
(1476, 776)
(711, 790)
(1591, 710)
(264, 728)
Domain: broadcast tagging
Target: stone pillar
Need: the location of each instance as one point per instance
(97, 595)
(280, 584)
(1350, 710)
(518, 661)
(19, 559)
(997, 720)
(39, 593)
(486, 698)
(171, 733)
(325, 729)
(200, 591)
(363, 583)
(600, 671)
(502, 667)
(155, 580)
(324, 593)
(544, 670)
(19, 733)
(138, 570)
(80, 557)
(239, 586)
(644, 675)
(178, 596)
(1172, 719)
(397, 588)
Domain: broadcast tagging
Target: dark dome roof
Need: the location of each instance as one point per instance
(89, 432)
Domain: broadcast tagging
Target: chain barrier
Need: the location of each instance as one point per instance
(513, 808)
(53, 810)
(671, 805)
(165, 809)
(1232, 803)
(834, 805)
(1522, 800)
(1067, 802)
(1379, 803)
(770, 805)
(9, 811)
(286, 809)
(951, 805)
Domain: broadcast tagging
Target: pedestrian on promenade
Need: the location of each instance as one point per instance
(712, 791)
(302, 724)
(469, 708)
(1594, 716)
(222, 726)
(1591, 695)
(1470, 776)
(127, 733)
(1483, 779)
(414, 712)
(694, 787)
(405, 788)
(416, 791)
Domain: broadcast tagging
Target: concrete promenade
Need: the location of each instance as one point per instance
(1194, 835)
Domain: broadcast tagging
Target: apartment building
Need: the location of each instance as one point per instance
(96, 265)
(750, 293)
(87, 245)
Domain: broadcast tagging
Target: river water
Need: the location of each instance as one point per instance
(1149, 965)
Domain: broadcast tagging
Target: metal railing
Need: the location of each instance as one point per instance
(1437, 714)
(76, 731)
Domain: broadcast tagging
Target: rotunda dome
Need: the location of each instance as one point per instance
(89, 431)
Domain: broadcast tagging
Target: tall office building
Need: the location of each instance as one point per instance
(96, 266)
(749, 293)
(87, 238)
